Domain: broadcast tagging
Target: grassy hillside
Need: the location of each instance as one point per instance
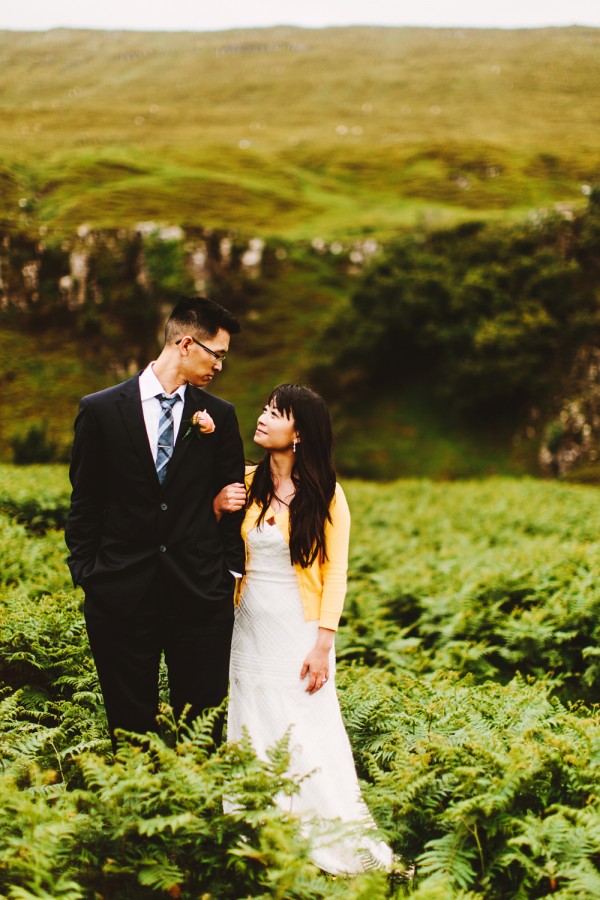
(292, 131)
(334, 133)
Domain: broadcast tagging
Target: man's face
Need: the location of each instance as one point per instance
(199, 364)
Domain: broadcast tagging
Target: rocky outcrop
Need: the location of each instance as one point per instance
(571, 442)
(38, 274)
(159, 259)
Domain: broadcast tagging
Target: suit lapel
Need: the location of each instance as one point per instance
(130, 406)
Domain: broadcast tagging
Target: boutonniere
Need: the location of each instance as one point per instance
(200, 423)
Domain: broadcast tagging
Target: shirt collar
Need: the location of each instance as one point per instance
(150, 386)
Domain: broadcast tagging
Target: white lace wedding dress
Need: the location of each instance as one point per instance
(270, 642)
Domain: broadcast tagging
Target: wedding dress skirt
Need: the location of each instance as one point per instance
(270, 642)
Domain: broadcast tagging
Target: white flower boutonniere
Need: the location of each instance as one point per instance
(200, 423)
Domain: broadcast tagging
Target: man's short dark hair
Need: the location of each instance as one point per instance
(201, 316)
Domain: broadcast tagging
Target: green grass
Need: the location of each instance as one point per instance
(296, 132)
(409, 434)
(47, 373)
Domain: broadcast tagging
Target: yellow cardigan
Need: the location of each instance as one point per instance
(323, 584)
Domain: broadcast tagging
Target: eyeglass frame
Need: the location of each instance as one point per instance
(220, 357)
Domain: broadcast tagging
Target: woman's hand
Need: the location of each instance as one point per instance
(229, 499)
(316, 664)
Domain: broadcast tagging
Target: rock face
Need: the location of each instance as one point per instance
(85, 268)
(571, 442)
(100, 269)
(121, 282)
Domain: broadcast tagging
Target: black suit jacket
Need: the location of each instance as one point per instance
(123, 526)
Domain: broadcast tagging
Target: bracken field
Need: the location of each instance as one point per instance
(469, 666)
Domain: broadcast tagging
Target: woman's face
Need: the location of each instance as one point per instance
(274, 431)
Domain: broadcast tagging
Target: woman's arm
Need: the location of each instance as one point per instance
(334, 570)
(334, 573)
(316, 664)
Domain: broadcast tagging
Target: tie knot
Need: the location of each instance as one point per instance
(168, 402)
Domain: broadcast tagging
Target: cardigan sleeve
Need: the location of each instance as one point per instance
(249, 471)
(335, 568)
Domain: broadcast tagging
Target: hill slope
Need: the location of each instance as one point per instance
(292, 131)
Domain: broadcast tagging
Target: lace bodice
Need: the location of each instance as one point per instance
(269, 554)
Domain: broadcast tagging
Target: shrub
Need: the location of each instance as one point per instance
(153, 822)
(489, 315)
(491, 788)
(36, 496)
(31, 444)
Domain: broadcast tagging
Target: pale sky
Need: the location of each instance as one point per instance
(210, 15)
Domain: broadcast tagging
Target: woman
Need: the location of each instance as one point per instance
(296, 531)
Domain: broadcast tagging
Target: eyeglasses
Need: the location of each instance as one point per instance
(220, 357)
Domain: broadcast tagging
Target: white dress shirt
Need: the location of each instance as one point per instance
(150, 386)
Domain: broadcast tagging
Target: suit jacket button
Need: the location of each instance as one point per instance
(162, 548)
(163, 506)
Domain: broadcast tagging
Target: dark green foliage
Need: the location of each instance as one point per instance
(166, 266)
(33, 565)
(492, 579)
(466, 775)
(490, 315)
(486, 777)
(31, 444)
(152, 823)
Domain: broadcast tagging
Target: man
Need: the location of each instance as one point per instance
(155, 565)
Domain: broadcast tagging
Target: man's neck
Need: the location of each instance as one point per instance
(169, 376)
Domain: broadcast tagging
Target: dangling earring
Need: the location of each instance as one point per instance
(294, 445)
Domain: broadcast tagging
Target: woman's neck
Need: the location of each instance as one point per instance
(281, 465)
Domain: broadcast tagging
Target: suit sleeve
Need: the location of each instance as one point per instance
(230, 469)
(87, 474)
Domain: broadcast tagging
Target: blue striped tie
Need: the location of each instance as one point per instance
(165, 435)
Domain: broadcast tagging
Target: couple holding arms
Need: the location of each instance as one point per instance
(165, 526)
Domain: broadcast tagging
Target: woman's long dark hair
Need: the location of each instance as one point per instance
(313, 473)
